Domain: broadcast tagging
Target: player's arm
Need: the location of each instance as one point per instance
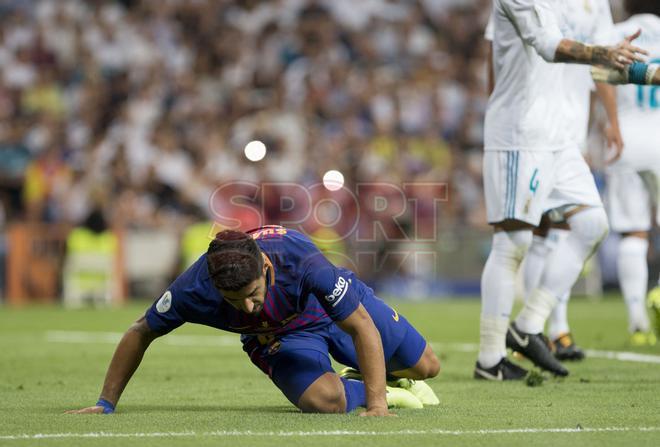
(371, 359)
(125, 361)
(537, 25)
(617, 56)
(335, 291)
(637, 73)
(607, 95)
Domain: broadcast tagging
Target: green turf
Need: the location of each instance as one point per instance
(204, 389)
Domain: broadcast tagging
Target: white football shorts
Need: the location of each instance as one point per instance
(522, 185)
(631, 197)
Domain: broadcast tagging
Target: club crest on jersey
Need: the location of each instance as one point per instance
(341, 287)
(164, 303)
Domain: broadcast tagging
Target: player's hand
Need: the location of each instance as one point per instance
(96, 409)
(377, 411)
(625, 53)
(615, 142)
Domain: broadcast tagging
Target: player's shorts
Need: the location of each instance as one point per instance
(631, 197)
(295, 360)
(522, 185)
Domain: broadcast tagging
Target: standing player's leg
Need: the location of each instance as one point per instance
(548, 238)
(497, 294)
(574, 187)
(633, 274)
(515, 184)
(653, 301)
(632, 218)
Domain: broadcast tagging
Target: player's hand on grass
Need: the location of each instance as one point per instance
(377, 411)
(614, 142)
(103, 406)
(96, 409)
(625, 53)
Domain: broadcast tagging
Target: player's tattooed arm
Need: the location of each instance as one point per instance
(124, 363)
(617, 56)
(572, 51)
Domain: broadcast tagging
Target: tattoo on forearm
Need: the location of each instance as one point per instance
(572, 51)
(599, 54)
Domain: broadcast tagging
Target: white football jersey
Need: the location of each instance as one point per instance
(526, 111)
(639, 105)
(587, 21)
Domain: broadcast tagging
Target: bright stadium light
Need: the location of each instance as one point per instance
(333, 180)
(255, 150)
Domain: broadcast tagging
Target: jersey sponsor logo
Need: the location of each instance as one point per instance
(341, 287)
(395, 317)
(164, 303)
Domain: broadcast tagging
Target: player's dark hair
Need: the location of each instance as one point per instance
(234, 260)
(642, 7)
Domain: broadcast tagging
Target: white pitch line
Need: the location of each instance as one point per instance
(622, 356)
(231, 341)
(289, 434)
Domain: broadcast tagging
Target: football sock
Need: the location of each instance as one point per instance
(564, 264)
(534, 263)
(558, 323)
(633, 277)
(497, 292)
(355, 394)
(492, 340)
(536, 257)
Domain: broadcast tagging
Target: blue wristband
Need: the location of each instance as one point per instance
(108, 408)
(637, 73)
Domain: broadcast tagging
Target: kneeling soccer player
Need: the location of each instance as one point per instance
(293, 309)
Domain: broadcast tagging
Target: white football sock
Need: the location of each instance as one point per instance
(633, 278)
(563, 266)
(534, 263)
(492, 340)
(497, 292)
(558, 323)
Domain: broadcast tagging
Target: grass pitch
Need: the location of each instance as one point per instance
(196, 388)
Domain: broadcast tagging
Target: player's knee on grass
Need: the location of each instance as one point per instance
(325, 395)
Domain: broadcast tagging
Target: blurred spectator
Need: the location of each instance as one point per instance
(152, 102)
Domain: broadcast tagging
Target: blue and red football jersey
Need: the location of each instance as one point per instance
(305, 292)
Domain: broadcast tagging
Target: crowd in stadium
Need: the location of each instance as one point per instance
(142, 108)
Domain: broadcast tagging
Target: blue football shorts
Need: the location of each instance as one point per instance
(295, 360)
